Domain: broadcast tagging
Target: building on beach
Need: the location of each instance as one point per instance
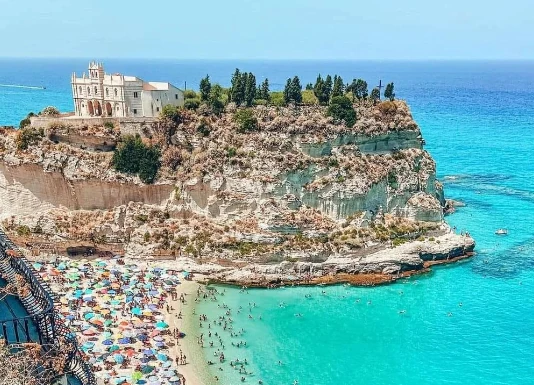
(117, 95)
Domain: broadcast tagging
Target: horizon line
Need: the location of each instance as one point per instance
(271, 59)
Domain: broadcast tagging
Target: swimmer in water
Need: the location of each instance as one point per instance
(402, 311)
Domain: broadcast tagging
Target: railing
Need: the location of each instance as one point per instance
(43, 324)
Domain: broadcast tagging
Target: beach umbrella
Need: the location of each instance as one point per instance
(142, 337)
(161, 325)
(88, 316)
(147, 369)
(125, 340)
(119, 358)
(107, 342)
(158, 338)
(108, 322)
(174, 379)
(37, 266)
(148, 352)
(61, 266)
(162, 357)
(120, 380)
(136, 376)
(166, 364)
(160, 344)
(70, 317)
(114, 348)
(88, 345)
(137, 311)
(89, 332)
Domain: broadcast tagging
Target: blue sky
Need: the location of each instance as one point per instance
(269, 29)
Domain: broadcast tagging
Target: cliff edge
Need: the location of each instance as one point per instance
(299, 195)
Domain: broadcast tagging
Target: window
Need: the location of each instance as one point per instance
(157, 109)
(176, 96)
(136, 95)
(107, 91)
(88, 90)
(135, 111)
(80, 89)
(96, 90)
(116, 92)
(157, 100)
(117, 108)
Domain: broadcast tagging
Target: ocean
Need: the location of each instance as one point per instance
(471, 322)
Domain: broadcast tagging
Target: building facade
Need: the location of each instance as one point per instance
(117, 95)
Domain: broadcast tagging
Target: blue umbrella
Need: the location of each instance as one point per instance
(147, 369)
(162, 357)
(119, 359)
(107, 342)
(61, 266)
(125, 340)
(88, 316)
(137, 311)
(142, 337)
(148, 352)
(153, 292)
(70, 317)
(114, 348)
(88, 345)
(160, 344)
(144, 360)
(161, 325)
(112, 292)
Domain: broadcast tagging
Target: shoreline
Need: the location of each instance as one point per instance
(195, 371)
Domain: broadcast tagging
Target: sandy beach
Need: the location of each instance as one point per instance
(133, 319)
(195, 370)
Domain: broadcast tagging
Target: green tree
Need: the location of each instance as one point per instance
(309, 87)
(328, 86)
(215, 102)
(265, 92)
(246, 120)
(149, 164)
(296, 90)
(341, 109)
(375, 95)
(358, 87)
(287, 92)
(339, 87)
(319, 89)
(389, 92)
(235, 88)
(132, 156)
(205, 89)
(250, 89)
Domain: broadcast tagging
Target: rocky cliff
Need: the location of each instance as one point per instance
(297, 188)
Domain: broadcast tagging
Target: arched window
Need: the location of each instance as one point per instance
(107, 91)
(96, 90)
(88, 90)
(80, 89)
(116, 92)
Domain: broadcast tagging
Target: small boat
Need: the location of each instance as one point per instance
(501, 232)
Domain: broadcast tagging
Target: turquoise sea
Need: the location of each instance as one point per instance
(472, 322)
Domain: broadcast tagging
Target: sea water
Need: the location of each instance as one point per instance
(471, 322)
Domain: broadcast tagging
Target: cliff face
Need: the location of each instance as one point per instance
(300, 186)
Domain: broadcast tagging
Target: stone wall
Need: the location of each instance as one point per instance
(128, 126)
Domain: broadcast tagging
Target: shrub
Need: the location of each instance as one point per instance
(172, 113)
(26, 121)
(231, 152)
(341, 110)
(309, 98)
(260, 102)
(141, 218)
(277, 99)
(217, 106)
(191, 104)
(50, 111)
(29, 136)
(109, 125)
(190, 94)
(246, 120)
(204, 128)
(23, 231)
(132, 156)
(387, 107)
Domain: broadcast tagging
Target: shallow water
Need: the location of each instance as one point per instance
(478, 121)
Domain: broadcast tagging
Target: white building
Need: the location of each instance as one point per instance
(101, 94)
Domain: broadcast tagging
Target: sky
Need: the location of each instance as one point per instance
(269, 29)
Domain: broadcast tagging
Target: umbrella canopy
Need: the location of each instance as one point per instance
(107, 342)
(161, 325)
(119, 358)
